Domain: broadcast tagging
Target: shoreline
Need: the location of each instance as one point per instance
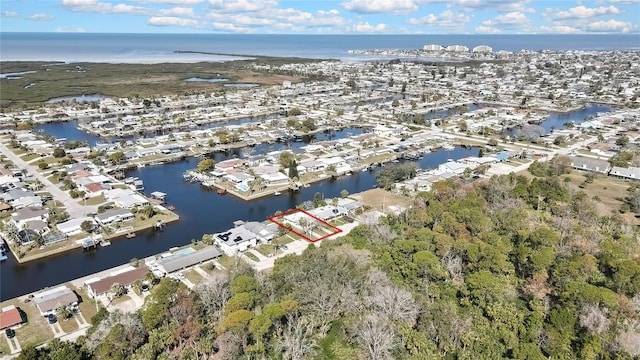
(75, 246)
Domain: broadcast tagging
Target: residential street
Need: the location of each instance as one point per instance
(73, 207)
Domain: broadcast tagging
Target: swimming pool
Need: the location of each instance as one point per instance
(185, 251)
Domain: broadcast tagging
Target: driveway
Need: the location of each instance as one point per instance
(14, 345)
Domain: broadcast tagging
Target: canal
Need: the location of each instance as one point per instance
(201, 211)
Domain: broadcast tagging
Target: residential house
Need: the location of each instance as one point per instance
(235, 240)
(74, 226)
(589, 164)
(632, 173)
(179, 261)
(125, 198)
(125, 277)
(10, 317)
(50, 300)
(114, 216)
(24, 215)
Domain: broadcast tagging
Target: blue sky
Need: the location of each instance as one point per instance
(322, 16)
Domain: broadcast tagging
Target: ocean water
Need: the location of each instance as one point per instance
(155, 48)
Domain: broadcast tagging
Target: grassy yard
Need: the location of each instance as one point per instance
(120, 300)
(29, 157)
(266, 249)
(208, 268)
(229, 262)
(4, 347)
(192, 276)
(252, 256)
(68, 325)
(96, 200)
(36, 330)
(87, 305)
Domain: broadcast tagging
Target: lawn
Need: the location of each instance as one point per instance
(251, 256)
(266, 249)
(36, 331)
(209, 267)
(68, 325)
(87, 305)
(29, 157)
(229, 262)
(192, 276)
(96, 200)
(120, 300)
(4, 347)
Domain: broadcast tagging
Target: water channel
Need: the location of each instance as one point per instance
(201, 211)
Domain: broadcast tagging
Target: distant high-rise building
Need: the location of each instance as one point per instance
(482, 49)
(457, 48)
(432, 47)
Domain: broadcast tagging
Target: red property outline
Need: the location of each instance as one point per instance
(274, 217)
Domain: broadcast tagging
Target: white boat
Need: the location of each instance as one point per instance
(448, 147)
(276, 193)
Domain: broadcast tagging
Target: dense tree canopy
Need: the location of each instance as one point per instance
(509, 267)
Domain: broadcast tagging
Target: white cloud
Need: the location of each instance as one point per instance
(380, 6)
(177, 11)
(8, 14)
(560, 29)
(501, 5)
(70, 29)
(41, 17)
(171, 2)
(102, 7)
(242, 5)
(447, 19)
(365, 27)
(487, 30)
(582, 12)
(512, 20)
(228, 27)
(171, 21)
(611, 26)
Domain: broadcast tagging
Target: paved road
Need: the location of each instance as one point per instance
(74, 209)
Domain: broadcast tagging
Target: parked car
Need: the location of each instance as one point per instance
(10, 333)
(284, 247)
(52, 319)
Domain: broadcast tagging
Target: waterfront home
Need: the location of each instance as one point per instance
(453, 167)
(589, 164)
(50, 300)
(235, 240)
(125, 198)
(275, 178)
(24, 215)
(74, 226)
(186, 258)
(114, 216)
(239, 177)
(265, 232)
(97, 288)
(9, 317)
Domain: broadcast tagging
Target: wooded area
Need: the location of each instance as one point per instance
(508, 267)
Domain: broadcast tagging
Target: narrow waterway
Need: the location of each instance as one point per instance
(201, 211)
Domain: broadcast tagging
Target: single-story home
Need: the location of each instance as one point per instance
(10, 317)
(74, 226)
(180, 261)
(126, 278)
(50, 300)
(589, 164)
(626, 173)
(114, 215)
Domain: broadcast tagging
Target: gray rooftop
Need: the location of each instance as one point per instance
(176, 262)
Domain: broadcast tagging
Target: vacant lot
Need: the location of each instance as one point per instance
(381, 199)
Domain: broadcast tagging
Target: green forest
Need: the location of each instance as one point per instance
(511, 267)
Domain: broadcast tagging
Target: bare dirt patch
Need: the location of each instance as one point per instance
(381, 199)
